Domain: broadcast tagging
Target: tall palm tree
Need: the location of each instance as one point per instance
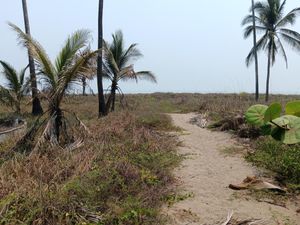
(60, 75)
(16, 87)
(255, 52)
(36, 104)
(117, 66)
(272, 22)
(101, 99)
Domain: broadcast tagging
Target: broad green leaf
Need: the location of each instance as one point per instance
(273, 112)
(255, 115)
(289, 129)
(293, 108)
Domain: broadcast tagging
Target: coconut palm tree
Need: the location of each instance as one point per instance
(101, 100)
(273, 24)
(16, 87)
(58, 77)
(91, 69)
(255, 52)
(117, 66)
(36, 104)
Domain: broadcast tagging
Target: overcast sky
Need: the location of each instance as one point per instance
(191, 45)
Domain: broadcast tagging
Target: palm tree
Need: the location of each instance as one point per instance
(255, 53)
(117, 66)
(101, 99)
(272, 22)
(16, 87)
(90, 72)
(36, 104)
(60, 75)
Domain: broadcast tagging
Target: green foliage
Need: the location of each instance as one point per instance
(280, 158)
(284, 128)
(117, 66)
(272, 112)
(293, 108)
(15, 88)
(256, 115)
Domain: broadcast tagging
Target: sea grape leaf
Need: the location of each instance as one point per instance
(288, 129)
(273, 112)
(255, 115)
(293, 108)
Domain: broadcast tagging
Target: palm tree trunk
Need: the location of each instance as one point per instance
(255, 55)
(268, 74)
(83, 79)
(18, 108)
(110, 105)
(101, 100)
(114, 90)
(36, 104)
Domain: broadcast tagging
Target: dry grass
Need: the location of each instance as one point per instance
(122, 173)
(120, 176)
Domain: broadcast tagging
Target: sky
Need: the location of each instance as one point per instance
(191, 45)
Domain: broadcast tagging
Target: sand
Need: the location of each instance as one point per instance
(206, 172)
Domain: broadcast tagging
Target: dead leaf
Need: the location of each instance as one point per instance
(256, 184)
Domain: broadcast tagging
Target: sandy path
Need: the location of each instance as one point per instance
(207, 172)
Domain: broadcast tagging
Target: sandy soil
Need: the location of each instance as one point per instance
(206, 173)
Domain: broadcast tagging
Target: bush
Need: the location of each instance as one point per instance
(280, 158)
(120, 176)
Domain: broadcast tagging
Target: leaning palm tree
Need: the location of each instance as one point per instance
(15, 88)
(36, 104)
(58, 76)
(117, 66)
(272, 23)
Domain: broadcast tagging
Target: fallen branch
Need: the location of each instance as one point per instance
(13, 129)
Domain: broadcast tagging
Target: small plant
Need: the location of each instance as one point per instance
(284, 128)
(16, 87)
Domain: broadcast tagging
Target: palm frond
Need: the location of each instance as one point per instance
(22, 75)
(261, 43)
(131, 54)
(44, 64)
(291, 33)
(71, 75)
(73, 44)
(292, 41)
(280, 45)
(146, 75)
(110, 60)
(249, 20)
(6, 97)
(249, 29)
(289, 19)
(11, 76)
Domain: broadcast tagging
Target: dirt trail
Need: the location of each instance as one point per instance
(206, 173)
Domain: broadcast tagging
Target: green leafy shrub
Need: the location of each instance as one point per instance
(278, 157)
(284, 128)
